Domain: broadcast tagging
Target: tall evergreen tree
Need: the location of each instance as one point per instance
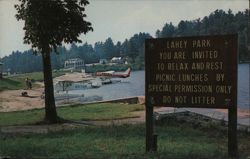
(109, 48)
(98, 48)
(167, 31)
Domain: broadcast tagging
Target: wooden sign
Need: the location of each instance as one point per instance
(192, 71)
(196, 72)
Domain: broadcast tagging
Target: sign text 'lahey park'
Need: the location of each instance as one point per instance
(192, 71)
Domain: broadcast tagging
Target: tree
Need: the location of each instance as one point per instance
(118, 49)
(167, 31)
(182, 28)
(48, 23)
(158, 33)
(124, 48)
(109, 48)
(98, 48)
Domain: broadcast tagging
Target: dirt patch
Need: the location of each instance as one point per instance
(12, 100)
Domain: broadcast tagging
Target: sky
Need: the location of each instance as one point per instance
(118, 19)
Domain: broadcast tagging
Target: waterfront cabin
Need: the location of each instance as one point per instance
(74, 64)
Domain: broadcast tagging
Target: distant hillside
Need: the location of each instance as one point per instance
(218, 22)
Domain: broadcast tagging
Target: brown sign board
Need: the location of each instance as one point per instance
(192, 71)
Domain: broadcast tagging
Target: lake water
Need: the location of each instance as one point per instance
(243, 86)
(135, 86)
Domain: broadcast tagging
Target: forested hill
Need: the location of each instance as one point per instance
(218, 22)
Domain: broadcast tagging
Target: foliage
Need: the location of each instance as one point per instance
(21, 62)
(218, 22)
(48, 23)
(24, 61)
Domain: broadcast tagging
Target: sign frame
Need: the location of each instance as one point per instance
(151, 101)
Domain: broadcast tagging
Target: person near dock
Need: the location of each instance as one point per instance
(30, 84)
(27, 83)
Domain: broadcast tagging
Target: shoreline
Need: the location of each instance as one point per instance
(11, 100)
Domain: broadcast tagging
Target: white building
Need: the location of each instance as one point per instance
(74, 64)
(117, 60)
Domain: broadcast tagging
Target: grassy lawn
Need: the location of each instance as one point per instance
(10, 84)
(104, 111)
(18, 81)
(175, 140)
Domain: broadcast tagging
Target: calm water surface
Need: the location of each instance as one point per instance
(243, 86)
(135, 86)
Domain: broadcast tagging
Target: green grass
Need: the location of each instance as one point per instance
(18, 81)
(21, 117)
(8, 83)
(176, 140)
(104, 111)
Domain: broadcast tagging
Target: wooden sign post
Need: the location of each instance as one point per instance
(195, 72)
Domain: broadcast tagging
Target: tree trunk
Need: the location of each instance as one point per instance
(50, 107)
